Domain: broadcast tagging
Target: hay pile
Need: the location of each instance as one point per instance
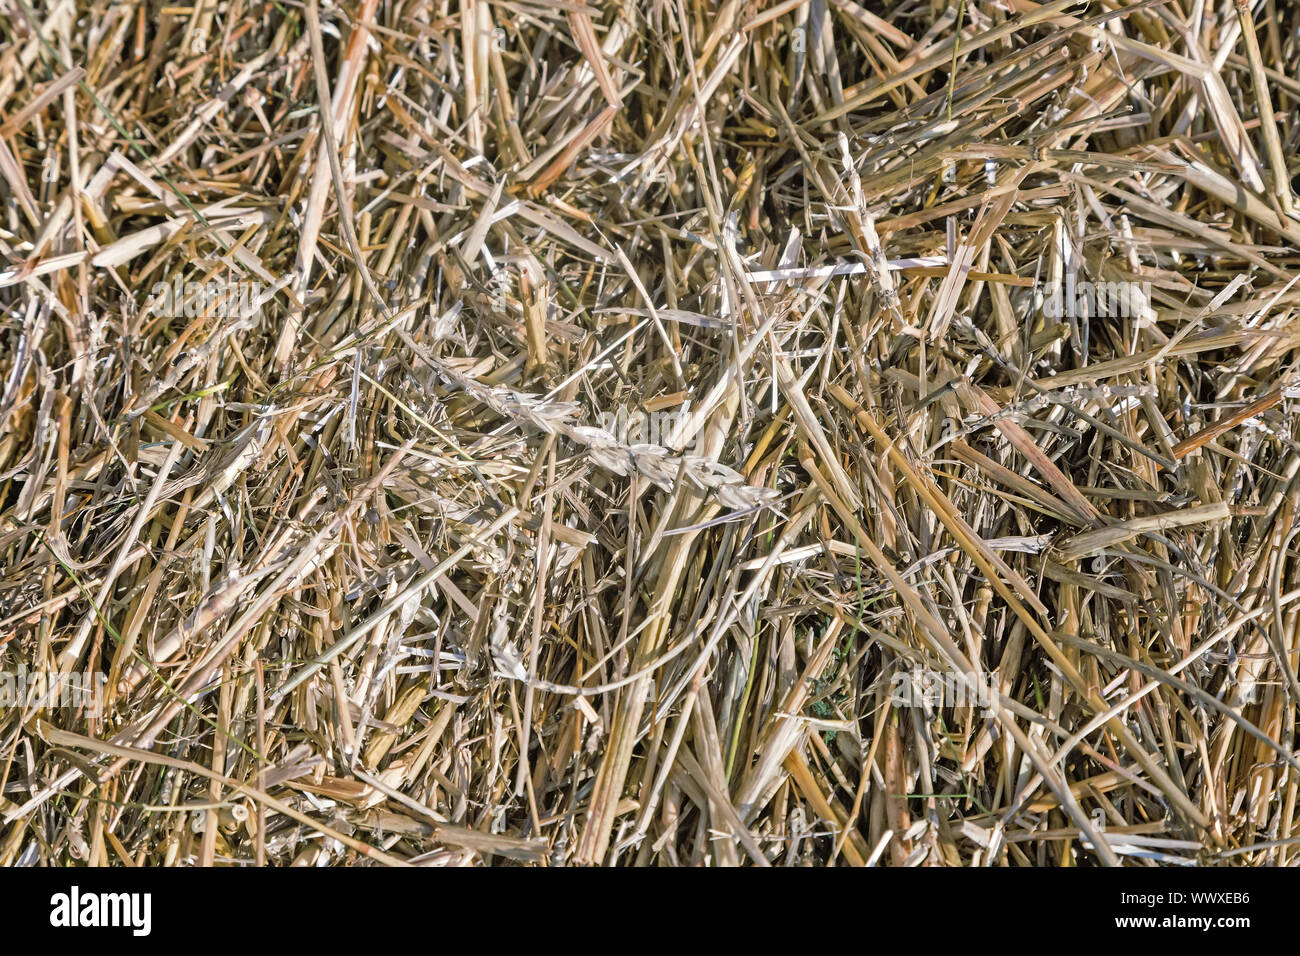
(664, 433)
